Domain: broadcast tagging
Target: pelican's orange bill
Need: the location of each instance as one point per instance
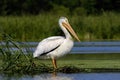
(67, 25)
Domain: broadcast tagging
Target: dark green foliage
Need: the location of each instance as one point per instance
(20, 7)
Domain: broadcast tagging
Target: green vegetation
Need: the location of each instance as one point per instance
(28, 20)
(35, 28)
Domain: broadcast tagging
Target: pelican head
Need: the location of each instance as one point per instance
(63, 22)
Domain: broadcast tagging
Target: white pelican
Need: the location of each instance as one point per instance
(56, 46)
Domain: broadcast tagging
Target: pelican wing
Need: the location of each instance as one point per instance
(48, 45)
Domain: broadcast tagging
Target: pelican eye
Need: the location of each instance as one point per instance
(66, 20)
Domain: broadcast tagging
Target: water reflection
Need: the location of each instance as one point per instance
(62, 76)
(51, 77)
(44, 76)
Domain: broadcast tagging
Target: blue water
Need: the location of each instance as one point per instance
(63, 76)
(79, 48)
(96, 47)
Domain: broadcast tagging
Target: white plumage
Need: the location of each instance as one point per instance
(53, 47)
(56, 46)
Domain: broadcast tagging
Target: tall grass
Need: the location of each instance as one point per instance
(92, 27)
(10, 59)
(35, 28)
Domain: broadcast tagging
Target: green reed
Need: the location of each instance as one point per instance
(37, 27)
(12, 61)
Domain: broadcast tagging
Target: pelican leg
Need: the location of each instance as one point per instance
(54, 63)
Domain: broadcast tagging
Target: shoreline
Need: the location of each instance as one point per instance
(68, 64)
